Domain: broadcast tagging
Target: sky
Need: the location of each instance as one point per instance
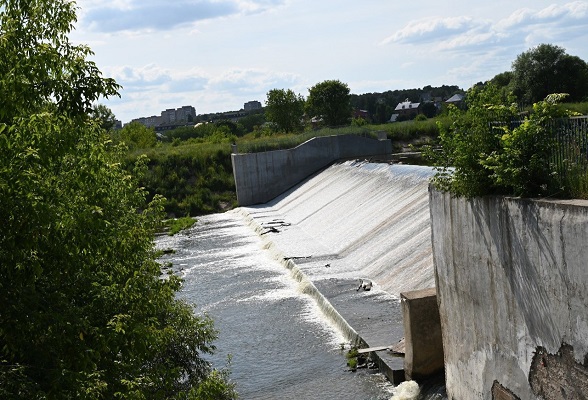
(216, 55)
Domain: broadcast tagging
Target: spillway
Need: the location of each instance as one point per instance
(355, 220)
(365, 220)
(277, 278)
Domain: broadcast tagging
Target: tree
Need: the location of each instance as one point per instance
(86, 312)
(285, 109)
(548, 69)
(137, 135)
(40, 67)
(330, 100)
(104, 115)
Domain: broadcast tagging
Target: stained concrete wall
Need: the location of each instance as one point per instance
(423, 345)
(512, 284)
(259, 177)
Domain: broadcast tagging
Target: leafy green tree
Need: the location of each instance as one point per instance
(86, 312)
(285, 109)
(548, 69)
(40, 67)
(252, 121)
(330, 100)
(104, 116)
(137, 135)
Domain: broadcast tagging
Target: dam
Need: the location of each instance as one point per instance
(352, 220)
(509, 273)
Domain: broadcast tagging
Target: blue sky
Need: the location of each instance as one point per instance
(217, 54)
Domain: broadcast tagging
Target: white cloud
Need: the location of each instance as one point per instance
(522, 26)
(149, 89)
(432, 29)
(159, 15)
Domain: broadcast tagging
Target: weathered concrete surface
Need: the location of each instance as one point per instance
(422, 334)
(259, 177)
(511, 276)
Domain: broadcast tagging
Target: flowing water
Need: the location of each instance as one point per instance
(281, 346)
(359, 219)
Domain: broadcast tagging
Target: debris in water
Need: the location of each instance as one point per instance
(365, 285)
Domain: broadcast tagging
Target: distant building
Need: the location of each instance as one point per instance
(169, 118)
(252, 105)
(149, 122)
(407, 108)
(186, 114)
(456, 99)
(357, 113)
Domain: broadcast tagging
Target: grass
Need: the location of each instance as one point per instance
(401, 132)
(177, 225)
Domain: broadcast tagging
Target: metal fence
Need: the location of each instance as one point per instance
(570, 150)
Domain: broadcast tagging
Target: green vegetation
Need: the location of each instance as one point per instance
(330, 101)
(176, 225)
(86, 311)
(285, 110)
(195, 178)
(492, 149)
(548, 69)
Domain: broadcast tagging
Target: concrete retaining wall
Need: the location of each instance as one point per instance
(259, 177)
(512, 284)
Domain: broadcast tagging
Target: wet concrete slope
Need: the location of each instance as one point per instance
(356, 220)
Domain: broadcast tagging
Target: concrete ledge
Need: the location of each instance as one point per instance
(259, 177)
(422, 329)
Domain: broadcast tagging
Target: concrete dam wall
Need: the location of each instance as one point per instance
(512, 285)
(259, 177)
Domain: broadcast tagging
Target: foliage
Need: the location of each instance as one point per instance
(195, 176)
(220, 132)
(104, 116)
(285, 109)
(330, 100)
(136, 135)
(492, 149)
(547, 69)
(40, 67)
(86, 312)
(176, 225)
(252, 121)
(523, 162)
(468, 140)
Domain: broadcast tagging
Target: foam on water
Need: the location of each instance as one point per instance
(367, 220)
(408, 390)
(283, 345)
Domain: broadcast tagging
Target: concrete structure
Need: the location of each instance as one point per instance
(259, 177)
(422, 334)
(252, 105)
(512, 281)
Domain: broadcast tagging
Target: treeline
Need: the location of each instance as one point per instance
(380, 106)
(191, 165)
